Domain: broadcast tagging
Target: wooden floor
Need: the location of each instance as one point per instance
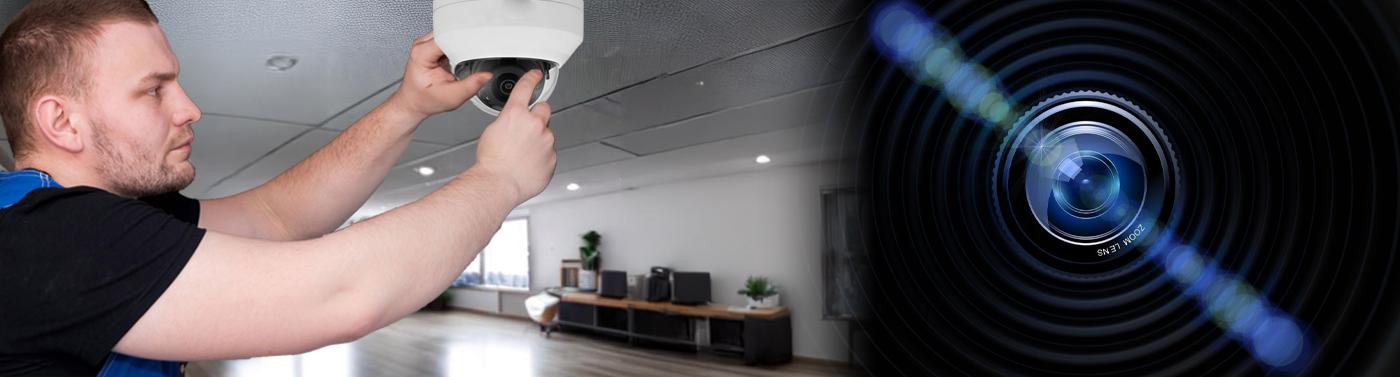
(466, 344)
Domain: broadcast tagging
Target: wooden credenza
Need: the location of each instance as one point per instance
(763, 336)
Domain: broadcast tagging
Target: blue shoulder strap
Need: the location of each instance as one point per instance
(13, 187)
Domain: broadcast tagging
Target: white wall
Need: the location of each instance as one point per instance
(766, 222)
(504, 302)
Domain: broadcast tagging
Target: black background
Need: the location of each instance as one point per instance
(1282, 118)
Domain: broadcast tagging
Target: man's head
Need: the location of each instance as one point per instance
(93, 84)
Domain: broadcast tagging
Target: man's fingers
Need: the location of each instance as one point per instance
(469, 85)
(524, 89)
(424, 37)
(426, 54)
(541, 110)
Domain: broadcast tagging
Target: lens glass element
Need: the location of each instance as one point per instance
(1084, 182)
(505, 74)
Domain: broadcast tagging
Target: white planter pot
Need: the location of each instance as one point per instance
(587, 280)
(766, 303)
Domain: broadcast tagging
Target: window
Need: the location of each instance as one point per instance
(505, 262)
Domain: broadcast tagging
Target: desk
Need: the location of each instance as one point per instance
(764, 336)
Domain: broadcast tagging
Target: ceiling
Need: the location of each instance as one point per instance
(660, 91)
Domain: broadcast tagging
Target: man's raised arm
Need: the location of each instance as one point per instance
(242, 297)
(318, 194)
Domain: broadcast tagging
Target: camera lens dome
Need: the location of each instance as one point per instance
(505, 75)
(1081, 178)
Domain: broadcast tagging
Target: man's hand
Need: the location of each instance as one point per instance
(519, 147)
(428, 84)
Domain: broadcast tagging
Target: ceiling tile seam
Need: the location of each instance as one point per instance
(432, 143)
(644, 129)
(358, 103)
(635, 155)
(269, 120)
(767, 100)
(709, 62)
(629, 86)
(592, 165)
(259, 159)
(303, 133)
(724, 139)
(441, 180)
(793, 39)
(632, 187)
(624, 150)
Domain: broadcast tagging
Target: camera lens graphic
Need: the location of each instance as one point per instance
(1085, 184)
(1082, 179)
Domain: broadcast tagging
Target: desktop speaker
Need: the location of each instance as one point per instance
(658, 285)
(690, 288)
(613, 284)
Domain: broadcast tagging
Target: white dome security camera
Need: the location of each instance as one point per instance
(508, 38)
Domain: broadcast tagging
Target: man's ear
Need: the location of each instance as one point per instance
(54, 120)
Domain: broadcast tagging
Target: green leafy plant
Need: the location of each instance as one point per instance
(758, 288)
(589, 252)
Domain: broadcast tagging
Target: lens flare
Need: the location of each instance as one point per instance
(1272, 336)
(929, 55)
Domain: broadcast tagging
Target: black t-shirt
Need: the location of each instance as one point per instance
(78, 267)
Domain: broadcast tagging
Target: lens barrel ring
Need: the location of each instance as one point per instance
(1088, 257)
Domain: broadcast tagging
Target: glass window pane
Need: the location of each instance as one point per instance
(507, 257)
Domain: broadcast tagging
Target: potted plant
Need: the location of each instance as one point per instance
(762, 294)
(588, 254)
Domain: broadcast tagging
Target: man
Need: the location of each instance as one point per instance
(104, 267)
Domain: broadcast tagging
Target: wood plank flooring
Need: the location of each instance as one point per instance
(467, 344)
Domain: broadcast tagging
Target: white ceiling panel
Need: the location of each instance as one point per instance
(222, 145)
(792, 110)
(630, 41)
(454, 162)
(801, 64)
(785, 147)
(792, 146)
(586, 155)
(290, 154)
(273, 164)
(348, 48)
(452, 128)
(349, 116)
(232, 78)
(446, 164)
(464, 124)
(346, 51)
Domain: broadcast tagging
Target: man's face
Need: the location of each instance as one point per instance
(140, 116)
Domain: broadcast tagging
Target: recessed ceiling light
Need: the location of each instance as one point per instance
(763, 159)
(426, 171)
(699, 83)
(279, 63)
(572, 187)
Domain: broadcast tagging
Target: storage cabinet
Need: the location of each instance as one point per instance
(761, 336)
